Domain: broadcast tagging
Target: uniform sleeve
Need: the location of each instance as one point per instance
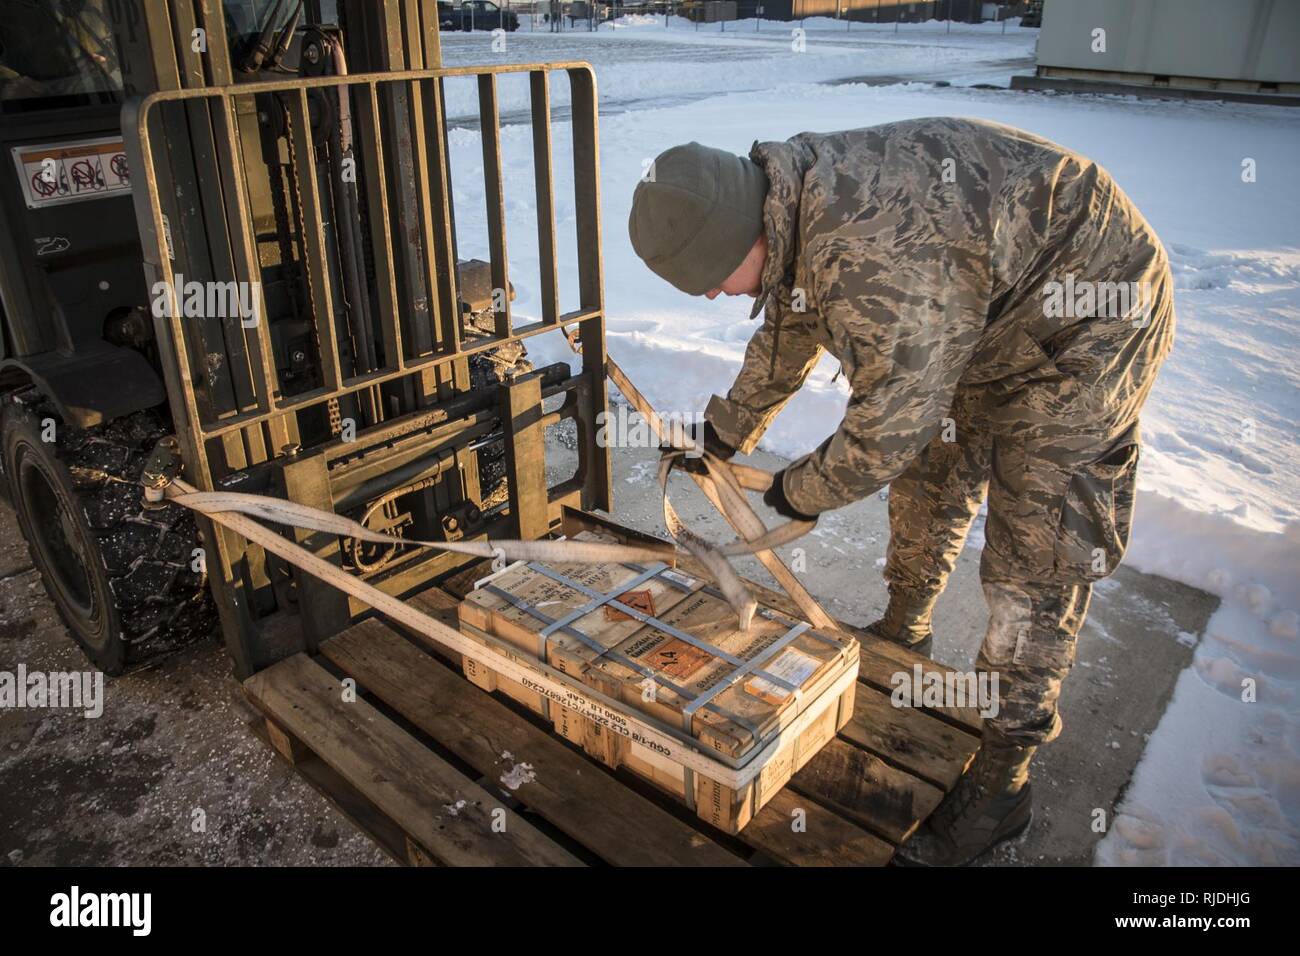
(899, 320)
(762, 387)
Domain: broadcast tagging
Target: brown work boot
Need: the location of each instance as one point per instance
(991, 803)
(907, 619)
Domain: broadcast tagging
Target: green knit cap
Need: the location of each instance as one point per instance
(694, 221)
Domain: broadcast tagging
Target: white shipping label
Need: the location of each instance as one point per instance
(677, 577)
(792, 666)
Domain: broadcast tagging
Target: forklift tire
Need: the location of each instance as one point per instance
(120, 574)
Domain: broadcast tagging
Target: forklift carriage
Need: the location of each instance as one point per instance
(364, 369)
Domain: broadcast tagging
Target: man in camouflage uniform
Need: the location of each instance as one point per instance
(1000, 309)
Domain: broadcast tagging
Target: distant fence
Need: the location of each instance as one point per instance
(562, 15)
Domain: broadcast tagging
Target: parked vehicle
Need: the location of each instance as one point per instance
(478, 15)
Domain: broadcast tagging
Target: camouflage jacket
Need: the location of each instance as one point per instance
(920, 254)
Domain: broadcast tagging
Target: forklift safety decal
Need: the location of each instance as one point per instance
(55, 173)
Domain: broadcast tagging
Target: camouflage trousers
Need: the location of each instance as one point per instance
(1060, 505)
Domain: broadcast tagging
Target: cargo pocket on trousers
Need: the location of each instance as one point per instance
(1097, 513)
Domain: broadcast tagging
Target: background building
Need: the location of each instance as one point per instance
(1182, 46)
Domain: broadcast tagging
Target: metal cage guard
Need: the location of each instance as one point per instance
(397, 354)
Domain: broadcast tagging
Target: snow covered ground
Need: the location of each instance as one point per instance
(1220, 483)
(640, 62)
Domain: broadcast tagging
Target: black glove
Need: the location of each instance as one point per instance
(713, 444)
(775, 499)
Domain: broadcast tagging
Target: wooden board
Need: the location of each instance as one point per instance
(562, 786)
(863, 788)
(799, 832)
(568, 790)
(346, 799)
(435, 805)
(910, 739)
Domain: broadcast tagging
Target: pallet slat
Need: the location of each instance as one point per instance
(825, 840)
(403, 778)
(567, 790)
(911, 739)
(881, 660)
(345, 798)
(860, 786)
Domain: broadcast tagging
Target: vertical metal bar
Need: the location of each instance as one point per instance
(432, 39)
(539, 82)
(247, 269)
(586, 182)
(444, 213)
(177, 369)
(597, 488)
(315, 261)
(525, 437)
(217, 56)
(236, 447)
(424, 188)
(372, 149)
(413, 293)
(173, 348)
(494, 191)
(154, 58)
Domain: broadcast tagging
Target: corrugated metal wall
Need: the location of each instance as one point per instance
(1256, 40)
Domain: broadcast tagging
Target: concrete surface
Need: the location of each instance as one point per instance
(128, 787)
(174, 739)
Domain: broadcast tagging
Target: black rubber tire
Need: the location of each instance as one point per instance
(119, 574)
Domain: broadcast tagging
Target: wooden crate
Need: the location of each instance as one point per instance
(658, 667)
(509, 606)
(863, 794)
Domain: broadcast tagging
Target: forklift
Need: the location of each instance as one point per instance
(229, 249)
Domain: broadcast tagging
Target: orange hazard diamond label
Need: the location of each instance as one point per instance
(677, 659)
(642, 601)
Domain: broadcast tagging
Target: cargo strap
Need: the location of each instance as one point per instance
(723, 483)
(513, 664)
(548, 551)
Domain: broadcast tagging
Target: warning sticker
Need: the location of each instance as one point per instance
(792, 666)
(56, 173)
(642, 601)
(677, 659)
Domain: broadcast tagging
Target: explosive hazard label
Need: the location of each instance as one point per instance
(55, 173)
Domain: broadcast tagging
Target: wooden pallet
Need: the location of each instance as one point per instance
(416, 758)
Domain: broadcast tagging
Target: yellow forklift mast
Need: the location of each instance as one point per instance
(235, 246)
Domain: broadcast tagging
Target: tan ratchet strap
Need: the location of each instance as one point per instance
(723, 483)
